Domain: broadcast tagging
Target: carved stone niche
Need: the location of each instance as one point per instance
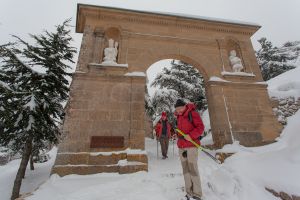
(114, 34)
(232, 44)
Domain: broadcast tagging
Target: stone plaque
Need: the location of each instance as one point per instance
(107, 142)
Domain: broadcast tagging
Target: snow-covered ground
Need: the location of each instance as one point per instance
(243, 176)
(32, 178)
(286, 84)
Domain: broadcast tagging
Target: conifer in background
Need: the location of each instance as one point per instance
(274, 61)
(180, 81)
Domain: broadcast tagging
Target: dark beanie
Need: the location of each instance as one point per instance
(179, 102)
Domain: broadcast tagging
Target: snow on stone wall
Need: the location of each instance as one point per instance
(285, 107)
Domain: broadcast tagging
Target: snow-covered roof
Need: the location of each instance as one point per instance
(171, 14)
(188, 16)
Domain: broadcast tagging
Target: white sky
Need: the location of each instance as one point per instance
(279, 18)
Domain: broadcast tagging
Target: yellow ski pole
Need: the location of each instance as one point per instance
(198, 146)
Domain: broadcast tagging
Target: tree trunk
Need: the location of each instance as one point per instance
(21, 172)
(31, 162)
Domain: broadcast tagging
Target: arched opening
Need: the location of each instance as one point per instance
(172, 79)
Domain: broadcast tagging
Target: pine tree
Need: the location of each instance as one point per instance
(180, 81)
(31, 110)
(274, 61)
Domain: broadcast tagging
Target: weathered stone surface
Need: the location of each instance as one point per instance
(107, 142)
(284, 108)
(137, 157)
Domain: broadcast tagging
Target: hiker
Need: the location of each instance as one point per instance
(189, 122)
(163, 134)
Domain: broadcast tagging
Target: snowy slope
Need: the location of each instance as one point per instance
(275, 166)
(286, 84)
(32, 178)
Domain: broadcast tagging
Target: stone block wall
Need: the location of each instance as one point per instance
(285, 107)
(103, 103)
(241, 111)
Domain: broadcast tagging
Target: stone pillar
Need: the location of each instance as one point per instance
(224, 55)
(86, 49)
(98, 46)
(241, 111)
(220, 125)
(122, 56)
(137, 112)
(105, 114)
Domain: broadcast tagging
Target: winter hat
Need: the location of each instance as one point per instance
(164, 114)
(179, 103)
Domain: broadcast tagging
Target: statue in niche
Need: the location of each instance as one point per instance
(235, 62)
(111, 52)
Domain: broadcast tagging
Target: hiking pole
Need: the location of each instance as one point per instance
(198, 146)
(173, 147)
(156, 147)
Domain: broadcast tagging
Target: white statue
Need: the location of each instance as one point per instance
(111, 52)
(235, 62)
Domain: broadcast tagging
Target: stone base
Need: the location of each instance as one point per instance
(92, 163)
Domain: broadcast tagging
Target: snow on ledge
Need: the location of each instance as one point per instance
(108, 153)
(79, 72)
(233, 148)
(120, 163)
(217, 79)
(109, 64)
(125, 162)
(261, 83)
(224, 73)
(135, 74)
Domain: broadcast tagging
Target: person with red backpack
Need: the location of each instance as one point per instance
(163, 133)
(190, 123)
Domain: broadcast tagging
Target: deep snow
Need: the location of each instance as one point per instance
(286, 84)
(32, 178)
(243, 176)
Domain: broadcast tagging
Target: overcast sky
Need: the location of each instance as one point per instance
(280, 19)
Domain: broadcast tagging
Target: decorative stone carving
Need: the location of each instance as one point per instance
(110, 53)
(235, 62)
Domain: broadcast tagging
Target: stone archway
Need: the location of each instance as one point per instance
(106, 107)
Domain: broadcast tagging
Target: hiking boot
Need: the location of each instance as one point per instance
(195, 198)
(186, 197)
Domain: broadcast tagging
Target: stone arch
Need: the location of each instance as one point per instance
(183, 58)
(209, 93)
(238, 103)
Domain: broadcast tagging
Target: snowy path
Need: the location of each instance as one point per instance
(164, 181)
(243, 176)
